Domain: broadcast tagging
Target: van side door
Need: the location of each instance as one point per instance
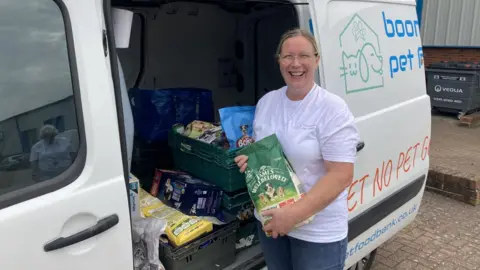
(63, 192)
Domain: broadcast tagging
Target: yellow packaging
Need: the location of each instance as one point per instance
(181, 228)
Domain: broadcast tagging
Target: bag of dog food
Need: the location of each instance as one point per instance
(271, 181)
(237, 123)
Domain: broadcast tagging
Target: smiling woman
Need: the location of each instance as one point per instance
(318, 135)
(298, 44)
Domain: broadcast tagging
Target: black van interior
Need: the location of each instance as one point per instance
(224, 47)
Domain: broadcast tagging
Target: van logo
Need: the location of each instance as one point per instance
(362, 60)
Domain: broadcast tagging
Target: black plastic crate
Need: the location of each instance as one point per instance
(213, 251)
(146, 157)
(247, 235)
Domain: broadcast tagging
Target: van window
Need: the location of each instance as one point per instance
(39, 137)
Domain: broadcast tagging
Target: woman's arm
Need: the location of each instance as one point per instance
(35, 170)
(339, 176)
(338, 148)
(34, 163)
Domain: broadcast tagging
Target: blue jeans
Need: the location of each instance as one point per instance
(288, 253)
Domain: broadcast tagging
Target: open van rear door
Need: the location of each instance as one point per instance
(65, 205)
(371, 56)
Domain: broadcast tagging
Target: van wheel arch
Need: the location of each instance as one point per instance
(365, 263)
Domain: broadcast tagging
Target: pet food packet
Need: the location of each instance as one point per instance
(271, 181)
(162, 176)
(181, 229)
(237, 123)
(222, 142)
(211, 135)
(187, 194)
(196, 128)
(145, 235)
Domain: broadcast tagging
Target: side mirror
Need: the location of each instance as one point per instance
(122, 26)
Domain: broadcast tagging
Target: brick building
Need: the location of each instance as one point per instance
(450, 30)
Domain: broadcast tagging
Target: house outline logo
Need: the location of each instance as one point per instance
(362, 60)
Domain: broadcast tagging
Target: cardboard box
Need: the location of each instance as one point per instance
(134, 196)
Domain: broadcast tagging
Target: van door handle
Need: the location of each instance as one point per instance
(101, 226)
(360, 146)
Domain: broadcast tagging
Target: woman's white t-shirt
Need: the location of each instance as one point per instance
(319, 127)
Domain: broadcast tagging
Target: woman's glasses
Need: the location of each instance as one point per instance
(302, 58)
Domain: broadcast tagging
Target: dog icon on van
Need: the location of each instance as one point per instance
(362, 62)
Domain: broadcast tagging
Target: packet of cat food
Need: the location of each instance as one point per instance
(271, 180)
(222, 142)
(190, 195)
(160, 178)
(181, 229)
(237, 123)
(211, 135)
(145, 235)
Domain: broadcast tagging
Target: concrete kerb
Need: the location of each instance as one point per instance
(464, 187)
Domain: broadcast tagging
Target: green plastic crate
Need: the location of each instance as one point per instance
(237, 206)
(207, 162)
(231, 200)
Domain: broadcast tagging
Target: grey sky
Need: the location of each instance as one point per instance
(34, 69)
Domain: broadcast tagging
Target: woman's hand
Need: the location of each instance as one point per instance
(241, 162)
(282, 221)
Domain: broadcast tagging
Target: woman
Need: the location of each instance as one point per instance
(319, 137)
(50, 156)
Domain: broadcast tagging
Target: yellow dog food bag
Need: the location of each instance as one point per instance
(181, 228)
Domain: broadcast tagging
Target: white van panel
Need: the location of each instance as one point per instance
(100, 189)
(395, 71)
(382, 231)
(371, 56)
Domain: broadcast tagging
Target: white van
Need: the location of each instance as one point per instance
(60, 67)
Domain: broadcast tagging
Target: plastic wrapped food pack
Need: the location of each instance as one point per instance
(146, 235)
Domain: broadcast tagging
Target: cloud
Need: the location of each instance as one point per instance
(34, 70)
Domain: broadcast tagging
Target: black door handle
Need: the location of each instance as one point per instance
(360, 146)
(101, 226)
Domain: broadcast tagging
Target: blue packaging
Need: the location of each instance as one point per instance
(237, 123)
(192, 104)
(187, 194)
(155, 111)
